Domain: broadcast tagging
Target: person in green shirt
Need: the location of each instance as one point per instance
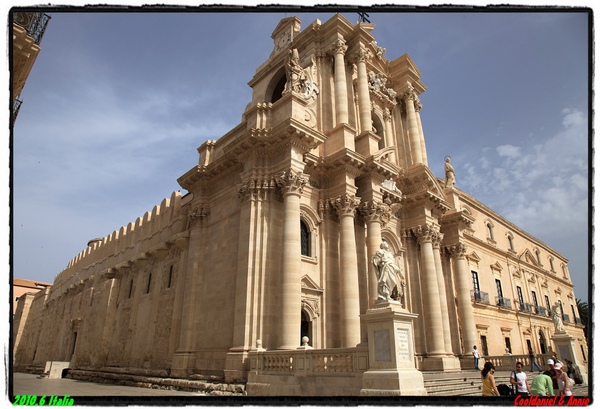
(542, 385)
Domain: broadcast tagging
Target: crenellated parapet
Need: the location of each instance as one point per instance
(148, 238)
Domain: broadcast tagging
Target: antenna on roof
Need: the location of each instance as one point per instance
(363, 17)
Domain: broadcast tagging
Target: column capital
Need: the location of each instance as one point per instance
(256, 188)
(458, 250)
(375, 211)
(339, 47)
(362, 55)
(345, 204)
(198, 215)
(427, 233)
(291, 182)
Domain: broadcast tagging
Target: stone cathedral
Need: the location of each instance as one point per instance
(273, 249)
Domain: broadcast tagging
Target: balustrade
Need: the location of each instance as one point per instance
(322, 360)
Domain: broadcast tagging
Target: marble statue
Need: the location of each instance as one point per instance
(389, 275)
(450, 176)
(557, 317)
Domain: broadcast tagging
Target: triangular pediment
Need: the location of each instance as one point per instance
(528, 257)
(496, 266)
(418, 180)
(474, 257)
(308, 284)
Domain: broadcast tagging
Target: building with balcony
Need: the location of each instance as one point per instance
(27, 32)
(275, 238)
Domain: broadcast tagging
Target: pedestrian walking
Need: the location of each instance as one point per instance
(533, 362)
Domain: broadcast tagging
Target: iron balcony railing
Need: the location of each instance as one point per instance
(480, 296)
(578, 320)
(539, 310)
(503, 302)
(34, 22)
(524, 307)
(566, 318)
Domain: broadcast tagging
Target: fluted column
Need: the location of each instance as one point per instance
(418, 107)
(431, 301)
(349, 298)
(413, 125)
(291, 184)
(463, 290)
(341, 92)
(375, 214)
(364, 100)
(443, 298)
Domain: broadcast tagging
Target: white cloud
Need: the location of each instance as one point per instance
(508, 151)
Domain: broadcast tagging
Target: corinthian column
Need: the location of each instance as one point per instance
(364, 100)
(374, 214)
(291, 184)
(431, 301)
(463, 290)
(349, 300)
(442, 288)
(413, 126)
(341, 93)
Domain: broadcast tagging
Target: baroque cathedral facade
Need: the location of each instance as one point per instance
(275, 239)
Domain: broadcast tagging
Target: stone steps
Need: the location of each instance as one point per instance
(453, 385)
(469, 384)
(202, 386)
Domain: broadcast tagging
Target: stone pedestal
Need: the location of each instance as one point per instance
(392, 369)
(565, 347)
(55, 369)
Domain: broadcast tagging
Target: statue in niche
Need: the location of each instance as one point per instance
(390, 279)
(300, 80)
(557, 318)
(450, 175)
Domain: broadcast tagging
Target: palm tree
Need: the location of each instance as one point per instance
(582, 306)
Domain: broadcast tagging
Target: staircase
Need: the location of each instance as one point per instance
(468, 383)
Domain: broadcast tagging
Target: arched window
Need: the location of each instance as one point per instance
(511, 244)
(278, 90)
(490, 230)
(304, 239)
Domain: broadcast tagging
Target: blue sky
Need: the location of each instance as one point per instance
(116, 105)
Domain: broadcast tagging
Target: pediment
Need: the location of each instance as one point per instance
(496, 266)
(528, 257)
(474, 257)
(308, 284)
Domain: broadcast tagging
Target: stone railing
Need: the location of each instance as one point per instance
(507, 362)
(307, 372)
(338, 360)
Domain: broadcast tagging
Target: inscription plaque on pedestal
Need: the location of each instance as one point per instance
(403, 342)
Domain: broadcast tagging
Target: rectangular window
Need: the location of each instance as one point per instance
(149, 282)
(534, 298)
(548, 304)
(574, 315)
(499, 288)
(130, 289)
(520, 295)
(475, 281)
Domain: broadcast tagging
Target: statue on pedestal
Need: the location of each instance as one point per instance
(557, 318)
(389, 275)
